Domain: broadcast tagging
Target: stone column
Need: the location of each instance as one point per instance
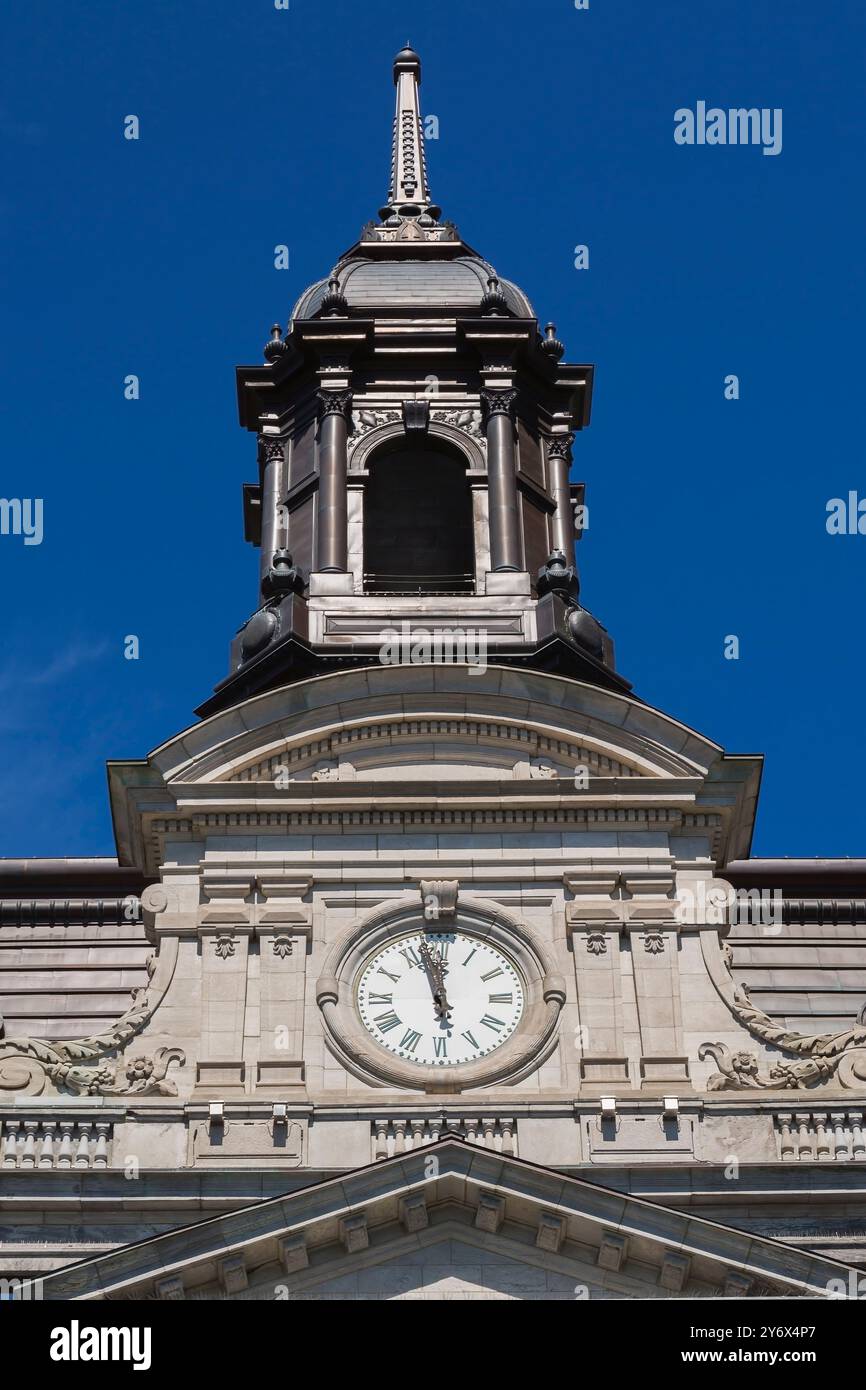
(273, 489)
(334, 410)
(558, 466)
(505, 549)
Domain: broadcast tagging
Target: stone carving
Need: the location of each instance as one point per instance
(815, 1044)
(335, 403)
(224, 946)
(143, 1075)
(283, 946)
(366, 420)
(740, 1071)
(409, 229)
(439, 897)
(326, 774)
(824, 1054)
(499, 401)
(654, 942)
(468, 420)
(272, 449)
(596, 943)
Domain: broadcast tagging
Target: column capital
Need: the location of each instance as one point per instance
(337, 402)
(498, 401)
(271, 448)
(559, 445)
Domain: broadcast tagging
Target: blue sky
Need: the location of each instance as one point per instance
(261, 126)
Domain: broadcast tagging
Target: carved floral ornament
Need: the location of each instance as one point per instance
(95, 1066)
(817, 1059)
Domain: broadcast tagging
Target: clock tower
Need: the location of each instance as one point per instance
(415, 429)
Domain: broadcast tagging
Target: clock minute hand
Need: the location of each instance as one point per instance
(436, 977)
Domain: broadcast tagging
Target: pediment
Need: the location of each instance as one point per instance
(393, 721)
(451, 1220)
(429, 731)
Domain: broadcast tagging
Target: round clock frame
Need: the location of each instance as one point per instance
(529, 1045)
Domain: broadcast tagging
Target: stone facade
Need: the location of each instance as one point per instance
(192, 1100)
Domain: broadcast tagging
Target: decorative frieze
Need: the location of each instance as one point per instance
(533, 745)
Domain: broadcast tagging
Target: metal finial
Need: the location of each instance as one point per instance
(275, 347)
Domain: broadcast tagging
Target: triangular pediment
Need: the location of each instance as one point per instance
(451, 1220)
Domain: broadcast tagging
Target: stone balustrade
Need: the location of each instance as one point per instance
(396, 1136)
(820, 1135)
(50, 1143)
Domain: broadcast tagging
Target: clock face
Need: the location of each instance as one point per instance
(440, 998)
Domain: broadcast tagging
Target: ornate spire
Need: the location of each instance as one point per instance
(409, 194)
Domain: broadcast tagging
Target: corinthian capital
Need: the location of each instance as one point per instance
(335, 403)
(271, 448)
(559, 446)
(499, 402)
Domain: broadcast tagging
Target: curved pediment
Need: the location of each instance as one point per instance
(435, 722)
(386, 736)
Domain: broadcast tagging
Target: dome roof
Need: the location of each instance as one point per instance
(427, 286)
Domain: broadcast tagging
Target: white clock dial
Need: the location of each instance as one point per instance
(440, 998)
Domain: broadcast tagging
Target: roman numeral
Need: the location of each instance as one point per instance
(441, 1047)
(410, 1040)
(491, 974)
(473, 1042)
(385, 1022)
(471, 954)
(411, 957)
(443, 950)
(389, 999)
(497, 1024)
(494, 999)
(382, 971)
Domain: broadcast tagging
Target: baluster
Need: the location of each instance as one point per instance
(488, 1125)
(787, 1147)
(103, 1132)
(380, 1149)
(82, 1155)
(28, 1153)
(858, 1146)
(822, 1140)
(10, 1144)
(506, 1128)
(840, 1135)
(46, 1152)
(64, 1158)
(417, 1127)
(471, 1124)
(805, 1137)
(399, 1136)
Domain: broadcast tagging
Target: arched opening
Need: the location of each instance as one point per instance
(418, 532)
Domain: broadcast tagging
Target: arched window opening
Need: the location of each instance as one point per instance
(418, 531)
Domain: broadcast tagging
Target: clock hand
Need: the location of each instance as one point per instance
(436, 980)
